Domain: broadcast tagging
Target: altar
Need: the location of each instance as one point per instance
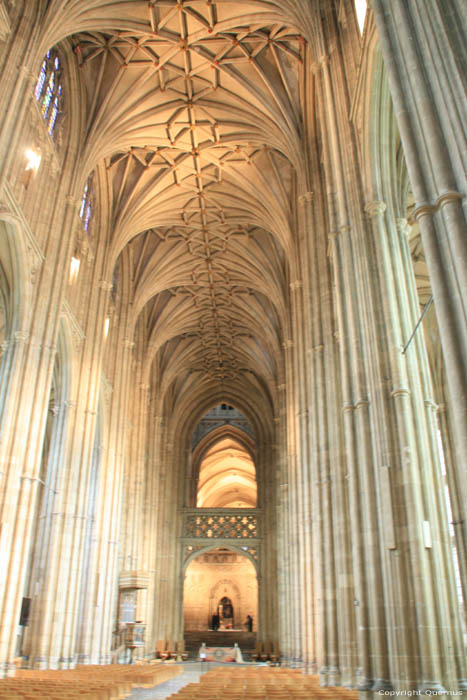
(221, 654)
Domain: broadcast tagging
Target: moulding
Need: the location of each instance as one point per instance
(77, 332)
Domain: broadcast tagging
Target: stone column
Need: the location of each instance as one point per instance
(25, 404)
(427, 558)
(291, 399)
(458, 506)
(150, 532)
(299, 313)
(421, 52)
(354, 316)
(283, 529)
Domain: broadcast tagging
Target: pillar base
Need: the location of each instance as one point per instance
(83, 659)
(329, 676)
(381, 684)
(7, 669)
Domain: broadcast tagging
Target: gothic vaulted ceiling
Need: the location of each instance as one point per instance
(193, 113)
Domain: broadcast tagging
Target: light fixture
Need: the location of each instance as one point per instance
(33, 160)
(74, 269)
(106, 327)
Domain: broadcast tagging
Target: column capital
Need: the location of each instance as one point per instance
(21, 337)
(305, 197)
(422, 209)
(296, 285)
(400, 391)
(375, 208)
(403, 226)
(106, 286)
(447, 197)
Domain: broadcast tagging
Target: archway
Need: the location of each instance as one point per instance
(227, 476)
(220, 581)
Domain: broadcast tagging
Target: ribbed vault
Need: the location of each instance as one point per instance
(192, 124)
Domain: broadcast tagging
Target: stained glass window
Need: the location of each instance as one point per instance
(48, 91)
(85, 209)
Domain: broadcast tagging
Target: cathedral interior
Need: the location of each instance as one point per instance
(233, 374)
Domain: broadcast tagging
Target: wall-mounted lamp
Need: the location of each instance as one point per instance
(33, 161)
(74, 269)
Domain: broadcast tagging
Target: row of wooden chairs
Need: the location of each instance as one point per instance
(260, 684)
(168, 649)
(110, 682)
(266, 651)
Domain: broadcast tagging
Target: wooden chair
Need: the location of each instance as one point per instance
(256, 655)
(266, 651)
(180, 650)
(161, 649)
(170, 649)
(275, 653)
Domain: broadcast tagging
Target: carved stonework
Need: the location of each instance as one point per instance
(305, 197)
(107, 390)
(21, 337)
(236, 524)
(375, 208)
(133, 580)
(106, 286)
(5, 27)
(35, 263)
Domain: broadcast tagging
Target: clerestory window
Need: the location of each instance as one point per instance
(48, 91)
(85, 209)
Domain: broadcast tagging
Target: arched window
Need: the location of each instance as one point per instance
(85, 209)
(49, 92)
